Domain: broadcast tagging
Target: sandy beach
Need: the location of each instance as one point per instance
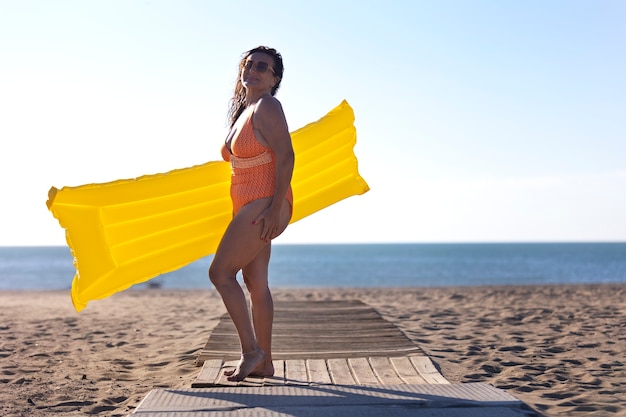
(560, 349)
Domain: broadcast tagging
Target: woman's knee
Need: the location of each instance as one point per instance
(219, 276)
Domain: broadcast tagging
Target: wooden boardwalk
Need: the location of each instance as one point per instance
(340, 371)
(318, 330)
(324, 342)
(332, 358)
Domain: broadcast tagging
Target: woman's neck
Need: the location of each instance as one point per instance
(254, 96)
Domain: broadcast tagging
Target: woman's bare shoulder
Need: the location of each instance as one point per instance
(269, 106)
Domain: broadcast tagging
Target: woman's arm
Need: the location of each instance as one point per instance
(269, 120)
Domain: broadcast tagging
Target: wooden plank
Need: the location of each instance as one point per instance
(340, 372)
(294, 340)
(323, 305)
(209, 374)
(310, 339)
(362, 371)
(295, 372)
(221, 378)
(406, 371)
(343, 354)
(358, 327)
(427, 370)
(340, 346)
(307, 311)
(321, 324)
(385, 371)
(318, 372)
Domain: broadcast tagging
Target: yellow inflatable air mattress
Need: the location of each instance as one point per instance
(126, 232)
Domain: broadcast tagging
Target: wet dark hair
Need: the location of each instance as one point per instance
(238, 101)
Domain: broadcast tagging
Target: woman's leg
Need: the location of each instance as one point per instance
(240, 247)
(255, 275)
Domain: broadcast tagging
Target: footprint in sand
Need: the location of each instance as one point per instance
(516, 348)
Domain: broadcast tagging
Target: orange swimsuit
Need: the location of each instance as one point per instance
(253, 168)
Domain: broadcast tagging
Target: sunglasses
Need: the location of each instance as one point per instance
(260, 66)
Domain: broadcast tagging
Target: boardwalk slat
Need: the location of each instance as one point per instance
(308, 340)
(319, 345)
(221, 378)
(318, 371)
(312, 326)
(209, 374)
(405, 370)
(362, 371)
(427, 370)
(340, 372)
(295, 372)
(325, 355)
(385, 371)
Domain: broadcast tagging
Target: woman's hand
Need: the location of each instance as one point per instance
(270, 219)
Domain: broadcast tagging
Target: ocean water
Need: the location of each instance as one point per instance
(364, 265)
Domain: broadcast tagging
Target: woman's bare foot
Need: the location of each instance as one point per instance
(265, 369)
(248, 363)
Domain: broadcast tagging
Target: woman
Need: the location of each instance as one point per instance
(262, 160)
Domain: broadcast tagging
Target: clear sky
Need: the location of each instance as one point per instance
(477, 121)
